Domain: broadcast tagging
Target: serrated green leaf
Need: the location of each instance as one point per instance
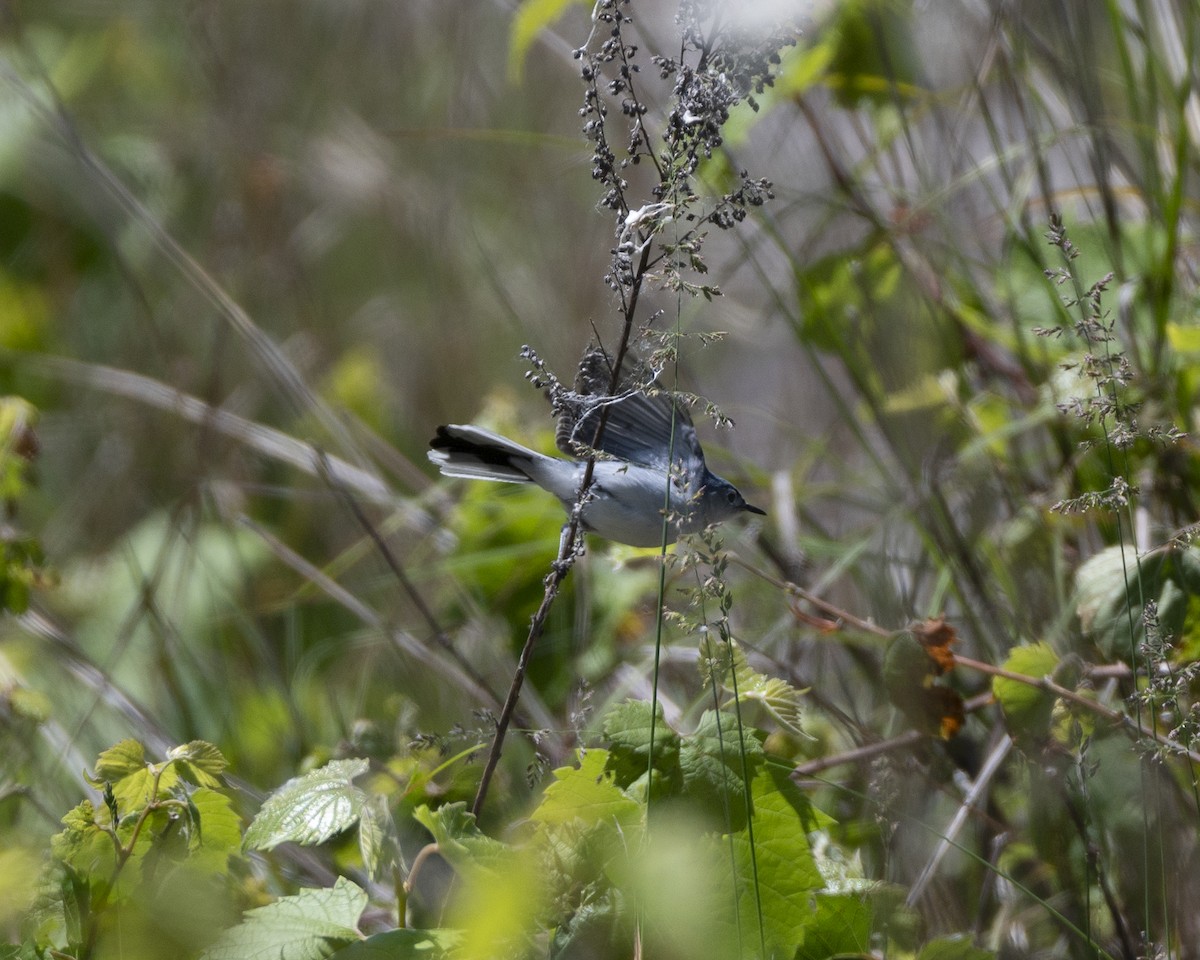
(199, 762)
(134, 792)
(778, 697)
(121, 760)
(626, 728)
(587, 793)
(82, 816)
(841, 925)
(135, 781)
(595, 929)
(403, 945)
(712, 761)
(782, 862)
(82, 844)
(459, 840)
(312, 925)
(370, 839)
(219, 831)
(310, 809)
(19, 951)
(1027, 709)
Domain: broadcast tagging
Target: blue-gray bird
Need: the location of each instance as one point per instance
(648, 436)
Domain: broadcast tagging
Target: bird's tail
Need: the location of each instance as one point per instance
(478, 454)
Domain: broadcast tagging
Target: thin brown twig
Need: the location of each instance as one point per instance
(869, 751)
(1079, 700)
(843, 617)
(427, 851)
(567, 550)
(1043, 683)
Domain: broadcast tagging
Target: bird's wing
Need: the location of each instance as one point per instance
(644, 425)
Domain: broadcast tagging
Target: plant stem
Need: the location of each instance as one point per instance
(567, 549)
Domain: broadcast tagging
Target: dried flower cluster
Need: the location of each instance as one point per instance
(718, 67)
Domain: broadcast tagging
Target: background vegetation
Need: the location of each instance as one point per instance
(251, 254)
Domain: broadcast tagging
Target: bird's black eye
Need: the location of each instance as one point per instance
(732, 496)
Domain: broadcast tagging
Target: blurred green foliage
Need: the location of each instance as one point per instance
(397, 208)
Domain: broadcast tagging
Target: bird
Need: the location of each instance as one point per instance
(648, 447)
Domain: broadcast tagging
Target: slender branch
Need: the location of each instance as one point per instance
(870, 751)
(423, 854)
(1079, 700)
(1044, 683)
(841, 617)
(690, 133)
(567, 550)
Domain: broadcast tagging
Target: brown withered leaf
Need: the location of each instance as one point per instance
(937, 636)
(945, 707)
(910, 673)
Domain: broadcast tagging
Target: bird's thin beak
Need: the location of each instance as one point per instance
(750, 509)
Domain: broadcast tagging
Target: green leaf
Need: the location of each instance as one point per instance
(876, 56)
(598, 928)
(1100, 586)
(403, 945)
(1027, 708)
(626, 727)
(122, 760)
(587, 793)
(370, 839)
(312, 925)
(782, 862)
(803, 67)
(778, 697)
(954, 948)
(83, 845)
(219, 830)
(459, 840)
(199, 762)
(712, 761)
(1113, 588)
(842, 925)
(310, 809)
(135, 781)
(136, 791)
